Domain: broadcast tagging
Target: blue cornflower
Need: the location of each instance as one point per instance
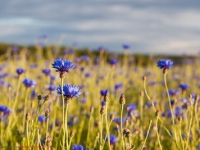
(113, 61)
(126, 46)
(113, 139)
(131, 107)
(33, 94)
(62, 66)
(87, 74)
(101, 48)
(52, 77)
(52, 88)
(73, 120)
(29, 83)
(165, 63)
(174, 92)
(46, 72)
(85, 58)
(15, 48)
(184, 86)
(42, 118)
(78, 147)
(118, 120)
(20, 71)
(69, 91)
(167, 113)
(5, 111)
(102, 92)
(178, 112)
(103, 103)
(82, 69)
(118, 85)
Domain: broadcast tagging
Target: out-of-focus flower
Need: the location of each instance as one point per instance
(126, 46)
(19, 71)
(165, 63)
(4, 112)
(78, 147)
(52, 88)
(113, 139)
(113, 61)
(184, 86)
(29, 83)
(47, 72)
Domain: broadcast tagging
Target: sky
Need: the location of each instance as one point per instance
(148, 26)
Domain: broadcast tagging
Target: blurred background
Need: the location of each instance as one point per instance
(148, 26)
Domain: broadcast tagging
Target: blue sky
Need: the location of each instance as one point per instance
(149, 26)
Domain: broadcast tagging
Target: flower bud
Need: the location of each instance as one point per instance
(122, 100)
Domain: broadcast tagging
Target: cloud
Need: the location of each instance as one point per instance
(148, 26)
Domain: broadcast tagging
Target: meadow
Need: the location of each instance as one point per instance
(64, 101)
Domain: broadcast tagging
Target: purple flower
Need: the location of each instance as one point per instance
(85, 58)
(62, 66)
(82, 69)
(118, 120)
(69, 91)
(165, 63)
(73, 120)
(52, 88)
(103, 103)
(113, 61)
(174, 92)
(52, 77)
(102, 92)
(46, 72)
(4, 111)
(42, 118)
(78, 147)
(29, 83)
(184, 86)
(87, 74)
(15, 48)
(113, 139)
(126, 46)
(118, 85)
(20, 71)
(101, 48)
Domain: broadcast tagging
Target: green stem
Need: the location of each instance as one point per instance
(158, 134)
(66, 129)
(170, 106)
(47, 130)
(101, 130)
(107, 128)
(70, 141)
(147, 135)
(24, 115)
(63, 114)
(88, 130)
(121, 127)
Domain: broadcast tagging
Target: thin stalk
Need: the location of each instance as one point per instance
(26, 95)
(146, 135)
(107, 127)
(70, 141)
(66, 130)
(88, 130)
(101, 130)
(158, 133)
(63, 101)
(27, 133)
(121, 127)
(47, 130)
(165, 80)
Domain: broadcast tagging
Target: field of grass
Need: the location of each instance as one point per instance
(69, 101)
